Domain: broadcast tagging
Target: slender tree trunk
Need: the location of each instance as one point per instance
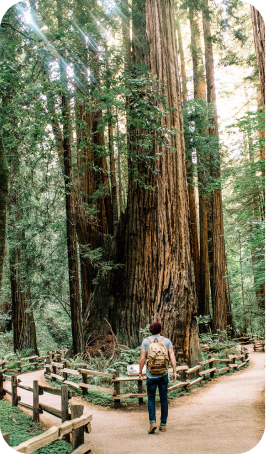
(200, 93)
(112, 167)
(73, 269)
(191, 183)
(119, 170)
(218, 284)
(4, 176)
(259, 34)
(158, 276)
(182, 62)
(259, 43)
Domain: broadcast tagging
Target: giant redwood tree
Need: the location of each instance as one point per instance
(152, 242)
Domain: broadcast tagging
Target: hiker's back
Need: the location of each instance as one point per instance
(158, 360)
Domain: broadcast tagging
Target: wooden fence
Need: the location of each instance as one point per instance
(30, 361)
(76, 427)
(37, 390)
(259, 345)
(59, 371)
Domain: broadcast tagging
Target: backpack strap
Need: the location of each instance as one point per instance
(151, 339)
(160, 339)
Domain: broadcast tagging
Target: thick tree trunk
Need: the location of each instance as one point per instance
(4, 175)
(24, 329)
(200, 93)
(158, 276)
(218, 267)
(94, 208)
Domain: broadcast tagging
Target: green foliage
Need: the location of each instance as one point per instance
(21, 428)
(244, 227)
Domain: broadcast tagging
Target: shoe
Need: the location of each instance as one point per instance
(152, 428)
(162, 428)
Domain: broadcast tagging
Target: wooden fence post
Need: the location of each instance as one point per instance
(14, 389)
(78, 434)
(183, 375)
(36, 416)
(20, 366)
(2, 391)
(140, 391)
(117, 390)
(64, 407)
(65, 373)
(211, 366)
(54, 372)
(84, 380)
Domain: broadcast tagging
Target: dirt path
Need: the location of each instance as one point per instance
(225, 416)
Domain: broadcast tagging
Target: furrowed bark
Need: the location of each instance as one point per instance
(157, 279)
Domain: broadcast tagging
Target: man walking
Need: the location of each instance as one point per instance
(156, 348)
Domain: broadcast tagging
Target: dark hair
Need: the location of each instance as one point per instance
(155, 328)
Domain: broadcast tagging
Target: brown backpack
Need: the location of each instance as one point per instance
(157, 356)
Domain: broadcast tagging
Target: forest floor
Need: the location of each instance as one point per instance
(226, 415)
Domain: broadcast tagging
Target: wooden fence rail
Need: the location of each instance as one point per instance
(78, 424)
(59, 371)
(38, 390)
(32, 361)
(54, 369)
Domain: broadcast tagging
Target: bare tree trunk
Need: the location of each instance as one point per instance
(24, 329)
(158, 276)
(259, 34)
(182, 62)
(218, 284)
(119, 170)
(259, 43)
(112, 168)
(191, 187)
(200, 93)
(4, 176)
(73, 269)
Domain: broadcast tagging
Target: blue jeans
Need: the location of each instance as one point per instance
(152, 384)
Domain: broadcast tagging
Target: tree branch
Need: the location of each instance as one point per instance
(6, 24)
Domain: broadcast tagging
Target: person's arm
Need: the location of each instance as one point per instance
(141, 362)
(173, 361)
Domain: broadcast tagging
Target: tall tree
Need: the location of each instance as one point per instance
(200, 94)
(4, 174)
(218, 284)
(158, 277)
(191, 177)
(259, 42)
(73, 269)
